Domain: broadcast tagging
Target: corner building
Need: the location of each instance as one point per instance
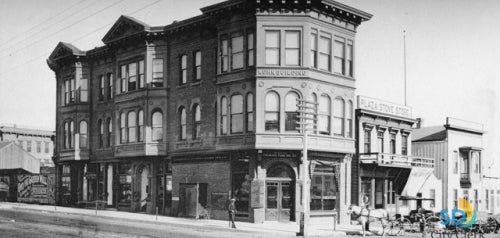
(184, 116)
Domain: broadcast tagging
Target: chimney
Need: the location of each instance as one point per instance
(419, 123)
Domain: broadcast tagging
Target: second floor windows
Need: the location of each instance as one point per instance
(132, 127)
(101, 87)
(404, 144)
(272, 112)
(292, 48)
(157, 72)
(182, 123)
(71, 88)
(68, 134)
(291, 111)
(132, 76)
(197, 65)
(236, 113)
(157, 125)
(272, 47)
(84, 90)
(367, 140)
(239, 115)
(196, 121)
(83, 140)
(324, 115)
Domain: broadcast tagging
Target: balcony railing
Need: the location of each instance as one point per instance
(393, 160)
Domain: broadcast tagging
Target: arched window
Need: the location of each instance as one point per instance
(110, 131)
(182, 123)
(140, 124)
(291, 111)
(123, 128)
(249, 119)
(223, 116)
(157, 125)
(349, 114)
(236, 114)
(101, 133)
(324, 115)
(339, 115)
(83, 134)
(131, 127)
(272, 112)
(196, 121)
(71, 134)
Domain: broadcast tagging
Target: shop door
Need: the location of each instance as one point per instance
(279, 200)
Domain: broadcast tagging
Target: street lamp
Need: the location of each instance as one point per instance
(308, 111)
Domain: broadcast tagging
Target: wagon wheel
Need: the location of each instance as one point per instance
(406, 225)
(480, 226)
(394, 228)
(491, 225)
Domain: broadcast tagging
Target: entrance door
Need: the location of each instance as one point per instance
(279, 200)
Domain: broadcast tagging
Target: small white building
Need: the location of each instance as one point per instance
(457, 148)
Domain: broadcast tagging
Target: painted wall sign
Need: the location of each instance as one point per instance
(36, 188)
(281, 72)
(384, 107)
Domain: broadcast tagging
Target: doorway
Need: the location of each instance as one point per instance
(280, 194)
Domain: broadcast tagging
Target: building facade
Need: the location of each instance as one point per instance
(185, 116)
(384, 169)
(38, 143)
(457, 148)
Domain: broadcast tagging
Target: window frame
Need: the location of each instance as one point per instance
(291, 114)
(270, 48)
(239, 54)
(288, 48)
(197, 65)
(140, 125)
(327, 115)
(339, 117)
(83, 134)
(367, 140)
(224, 111)
(250, 120)
(182, 124)
(101, 88)
(100, 127)
(183, 69)
(236, 117)
(110, 86)
(196, 121)
(132, 82)
(109, 125)
(156, 126)
(131, 127)
(158, 72)
(272, 111)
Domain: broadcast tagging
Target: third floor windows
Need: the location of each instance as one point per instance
(236, 51)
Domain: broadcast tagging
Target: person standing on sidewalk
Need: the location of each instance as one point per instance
(232, 213)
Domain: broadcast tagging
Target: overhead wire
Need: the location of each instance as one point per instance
(62, 29)
(79, 38)
(43, 22)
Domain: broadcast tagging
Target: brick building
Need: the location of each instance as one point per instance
(184, 116)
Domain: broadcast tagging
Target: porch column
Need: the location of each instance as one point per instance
(372, 193)
(386, 189)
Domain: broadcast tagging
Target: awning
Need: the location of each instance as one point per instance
(416, 180)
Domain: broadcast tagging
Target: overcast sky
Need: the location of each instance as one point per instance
(453, 53)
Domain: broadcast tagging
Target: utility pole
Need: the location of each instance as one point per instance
(308, 111)
(404, 54)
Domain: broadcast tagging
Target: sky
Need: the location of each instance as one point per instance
(452, 54)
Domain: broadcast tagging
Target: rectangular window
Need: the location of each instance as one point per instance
(21, 143)
(325, 49)
(63, 94)
(47, 145)
(339, 57)
(404, 144)
(236, 51)
(455, 162)
(314, 50)
(110, 86)
(250, 119)
(487, 200)
(197, 65)
(141, 74)
(183, 65)
(250, 49)
(132, 76)
(38, 146)
(476, 160)
(367, 140)
(476, 199)
(123, 128)
(455, 198)
(72, 91)
(101, 87)
(158, 72)
(349, 62)
(432, 195)
(66, 91)
(84, 94)
(29, 146)
(292, 48)
(223, 119)
(224, 54)
(272, 47)
(392, 144)
(123, 77)
(380, 139)
(338, 117)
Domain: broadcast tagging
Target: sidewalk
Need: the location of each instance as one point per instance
(319, 227)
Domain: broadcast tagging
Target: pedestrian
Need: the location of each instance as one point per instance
(232, 213)
(421, 219)
(366, 205)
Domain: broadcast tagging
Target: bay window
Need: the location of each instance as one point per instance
(131, 127)
(349, 115)
(110, 132)
(224, 54)
(100, 127)
(236, 51)
(182, 124)
(84, 90)
(157, 125)
(324, 60)
(250, 49)
(292, 48)
(140, 125)
(339, 57)
(110, 86)
(236, 113)
(183, 67)
(132, 76)
(123, 128)
(157, 72)
(197, 65)
(314, 50)
(223, 116)
(196, 121)
(101, 87)
(272, 47)
(83, 134)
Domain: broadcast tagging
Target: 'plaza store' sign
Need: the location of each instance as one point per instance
(384, 107)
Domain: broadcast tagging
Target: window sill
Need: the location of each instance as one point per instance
(131, 92)
(236, 70)
(196, 83)
(182, 86)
